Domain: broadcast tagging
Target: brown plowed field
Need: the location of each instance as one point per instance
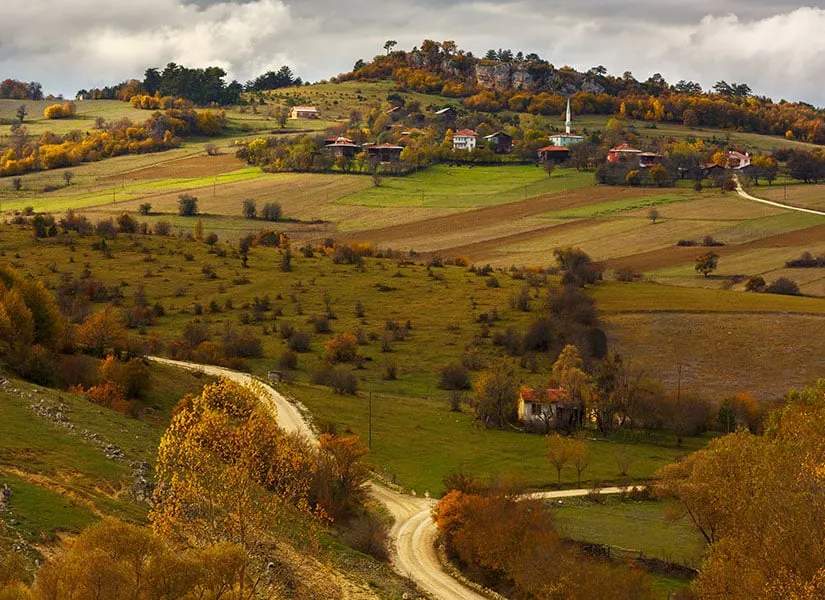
(195, 166)
(664, 257)
(473, 222)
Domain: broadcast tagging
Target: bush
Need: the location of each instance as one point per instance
(241, 344)
(342, 348)
(126, 223)
(784, 286)
(756, 283)
(249, 209)
(288, 361)
(187, 205)
(390, 370)
(271, 212)
(341, 382)
(454, 376)
(145, 209)
(299, 341)
(368, 534)
(321, 324)
(161, 228)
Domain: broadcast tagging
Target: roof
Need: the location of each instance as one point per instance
(567, 135)
(445, 110)
(497, 134)
(465, 133)
(552, 394)
(384, 146)
(554, 149)
(651, 154)
(338, 140)
(626, 148)
(342, 145)
(739, 155)
(304, 108)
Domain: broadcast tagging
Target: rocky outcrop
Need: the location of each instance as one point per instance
(502, 76)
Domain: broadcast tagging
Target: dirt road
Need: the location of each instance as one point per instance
(413, 533)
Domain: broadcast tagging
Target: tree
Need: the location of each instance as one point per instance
(389, 45)
(579, 454)
(706, 263)
(22, 111)
(187, 205)
(742, 486)
(102, 332)
(764, 166)
(579, 269)
(653, 214)
(558, 453)
(659, 175)
(495, 395)
(548, 166)
(68, 176)
(249, 209)
(145, 209)
(341, 475)
(226, 472)
(568, 371)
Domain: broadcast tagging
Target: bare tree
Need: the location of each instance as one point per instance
(653, 214)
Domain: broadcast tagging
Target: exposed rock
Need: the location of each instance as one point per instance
(142, 485)
(5, 496)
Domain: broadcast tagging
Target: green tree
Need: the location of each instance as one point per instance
(389, 45)
(187, 205)
(249, 209)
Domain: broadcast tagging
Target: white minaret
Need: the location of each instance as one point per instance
(568, 125)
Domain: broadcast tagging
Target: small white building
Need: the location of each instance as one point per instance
(737, 160)
(568, 138)
(304, 112)
(465, 139)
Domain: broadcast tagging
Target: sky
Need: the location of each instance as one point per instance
(777, 47)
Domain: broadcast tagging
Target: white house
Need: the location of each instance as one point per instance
(304, 112)
(465, 139)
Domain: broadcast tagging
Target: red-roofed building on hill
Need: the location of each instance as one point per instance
(737, 160)
(465, 139)
(622, 152)
(556, 154)
(549, 409)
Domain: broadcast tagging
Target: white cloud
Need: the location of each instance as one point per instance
(776, 47)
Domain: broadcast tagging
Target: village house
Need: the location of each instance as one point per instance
(556, 154)
(342, 146)
(383, 152)
(304, 112)
(648, 159)
(548, 409)
(465, 139)
(623, 152)
(500, 142)
(737, 160)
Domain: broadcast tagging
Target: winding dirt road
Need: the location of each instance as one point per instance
(741, 191)
(413, 532)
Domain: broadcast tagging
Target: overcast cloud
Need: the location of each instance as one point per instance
(777, 47)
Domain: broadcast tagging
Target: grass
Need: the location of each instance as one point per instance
(639, 526)
(443, 186)
(418, 441)
(616, 207)
(60, 477)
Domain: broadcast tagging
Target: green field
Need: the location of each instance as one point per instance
(462, 187)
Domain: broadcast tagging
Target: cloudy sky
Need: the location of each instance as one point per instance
(776, 46)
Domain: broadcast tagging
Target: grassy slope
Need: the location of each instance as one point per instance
(61, 478)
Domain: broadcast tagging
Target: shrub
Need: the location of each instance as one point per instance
(784, 286)
(341, 382)
(286, 329)
(684, 243)
(299, 341)
(211, 239)
(126, 223)
(288, 361)
(241, 344)
(187, 205)
(161, 228)
(454, 376)
(321, 324)
(342, 348)
(390, 370)
(756, 283)
(249, 209)
(145, 209)
(271, 212)
(368, 534)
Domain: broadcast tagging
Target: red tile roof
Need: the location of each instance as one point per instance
(465, 133)
(554, 149)
(625, 148)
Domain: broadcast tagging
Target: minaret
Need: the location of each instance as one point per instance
(568, 125)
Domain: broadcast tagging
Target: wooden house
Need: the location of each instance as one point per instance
(499, 142)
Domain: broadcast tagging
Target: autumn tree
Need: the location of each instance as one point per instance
(495, 395)
(579, 269)
(756, 500)
(568, 370)
(558, 453)
(339, 487)
(102, 331)
(226, 472)
(706, 263)
(653, 214)
(579, 454)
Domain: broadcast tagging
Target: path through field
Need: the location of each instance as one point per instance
(741, 191)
